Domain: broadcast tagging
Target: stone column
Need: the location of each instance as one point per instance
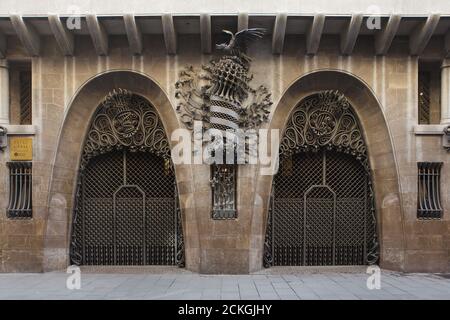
(4, 92)
(445, 92)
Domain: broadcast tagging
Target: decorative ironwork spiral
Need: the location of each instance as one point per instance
(326, 121)
(323, 120)
(125, 120)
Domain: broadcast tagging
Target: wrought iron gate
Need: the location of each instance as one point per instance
(322, 210)
(126, 210)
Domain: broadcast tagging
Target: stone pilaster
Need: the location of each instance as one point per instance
(4, 92)
(445, 92)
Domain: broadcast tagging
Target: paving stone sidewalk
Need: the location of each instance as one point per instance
(290, 284)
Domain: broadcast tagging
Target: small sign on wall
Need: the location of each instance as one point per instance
(21, 149)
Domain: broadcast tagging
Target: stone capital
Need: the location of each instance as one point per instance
(4, 63)
(445, 64)
(445, 91)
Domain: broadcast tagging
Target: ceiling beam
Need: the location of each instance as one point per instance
(384, 37)
(134, 34)
(205, 33)
(279, 32)
(98, 34)
(314, 34)
(242, 21)
(348, 38)
(27, 35)
(64, 38)
(2, 46)
(420, 36)
(170, 35)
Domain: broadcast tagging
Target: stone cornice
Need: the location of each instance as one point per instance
(349, 26)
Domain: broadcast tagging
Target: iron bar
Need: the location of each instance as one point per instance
(428, 193)
(20, 190)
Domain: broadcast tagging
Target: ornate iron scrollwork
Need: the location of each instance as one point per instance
(324, 121)
(125, 120)
(268, 255)
(223, 183)
(180, 258)
(220, 94)
(120, 217)
(221, 98)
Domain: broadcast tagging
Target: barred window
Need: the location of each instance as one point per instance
(25, 97)
(223, 183)
(429, 180)
(429, 92)
(20, 92)
(424, 97)
(20, 190)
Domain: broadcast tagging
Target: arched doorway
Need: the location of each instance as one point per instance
(126, 207)
(322, 208)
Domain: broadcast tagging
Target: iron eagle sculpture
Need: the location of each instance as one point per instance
(238, 43)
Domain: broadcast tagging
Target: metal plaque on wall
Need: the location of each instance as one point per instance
(21, 149)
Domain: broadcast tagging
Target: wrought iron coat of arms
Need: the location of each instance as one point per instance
(219, 95)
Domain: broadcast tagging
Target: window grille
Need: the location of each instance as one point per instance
(424, 98)
(429, 202)
(20, 190)
(25, 97)
(223, 183)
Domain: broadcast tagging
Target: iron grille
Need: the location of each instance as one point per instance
(223, 184)
(322, 208)
(429, 195)
(20, 190)
(320, 211)
(25, 97)
(424, 97)
(126, 210)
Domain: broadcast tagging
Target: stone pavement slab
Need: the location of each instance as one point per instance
(271, 284)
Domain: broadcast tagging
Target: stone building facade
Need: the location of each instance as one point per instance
(378, 71)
